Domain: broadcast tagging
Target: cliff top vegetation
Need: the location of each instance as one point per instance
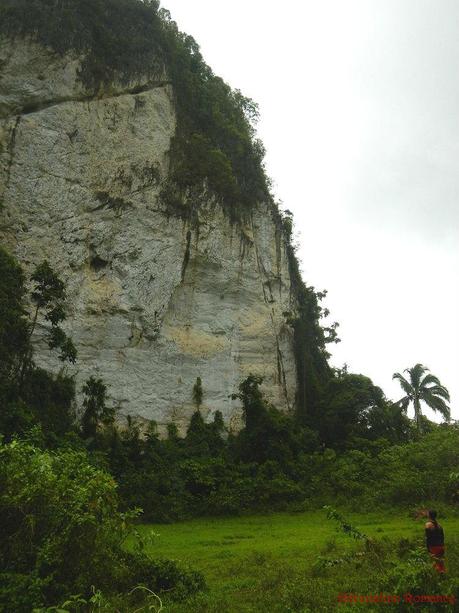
(215, 143)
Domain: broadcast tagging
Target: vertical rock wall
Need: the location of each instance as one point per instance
(154, 303)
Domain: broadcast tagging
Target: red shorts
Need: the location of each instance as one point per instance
(438, 552)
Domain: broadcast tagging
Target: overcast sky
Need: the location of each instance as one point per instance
(359, 103)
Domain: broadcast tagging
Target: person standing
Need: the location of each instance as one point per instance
(435, 541)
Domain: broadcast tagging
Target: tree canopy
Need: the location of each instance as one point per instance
(421, 387)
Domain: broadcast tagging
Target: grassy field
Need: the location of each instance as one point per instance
(266, 563)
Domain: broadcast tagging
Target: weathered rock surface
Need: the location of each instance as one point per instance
(154, 303)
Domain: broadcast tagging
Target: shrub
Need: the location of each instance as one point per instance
(62, 531)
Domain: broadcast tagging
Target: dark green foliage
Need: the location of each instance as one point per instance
(29, 395)
(418, 471)
(265, 465)
(252, 401)
(50, 399)
(412, 473)
(49, 294)
(214, 147)
(342, 412)
(197, 392)
(203, 439)
(309, 342)
(62, 532)
(42, 399)
(58, 515)
(172, 432)
(164, 575)
(95, 411)
(58, 339)
(119, 38)
(275, 463)
(268, 434)
(14, 346)
(13, 324)
(388, 421)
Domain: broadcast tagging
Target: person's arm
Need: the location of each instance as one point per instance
(429, 525)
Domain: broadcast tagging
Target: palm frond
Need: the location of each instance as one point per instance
(416, 373)
(436, 390)
(405, 385)
(403, 403)
(438, 404)
(428, 379)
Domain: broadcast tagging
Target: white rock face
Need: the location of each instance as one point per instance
(153, 302)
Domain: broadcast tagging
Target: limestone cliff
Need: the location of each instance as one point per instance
(155, 301)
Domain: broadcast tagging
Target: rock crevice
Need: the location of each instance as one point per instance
(36, 107)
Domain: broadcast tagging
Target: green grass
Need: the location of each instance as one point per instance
(265, 563)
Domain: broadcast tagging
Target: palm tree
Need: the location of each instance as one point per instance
(427, 388)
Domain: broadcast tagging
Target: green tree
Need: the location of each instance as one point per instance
(344, 408)
(30, 395)
(388, 420)
(268, 433)
(61, 531)
(197, 393)
(252, 401)
(49, 294)
(421, 387)
(203, 439)
(14, 342)
(95, 409)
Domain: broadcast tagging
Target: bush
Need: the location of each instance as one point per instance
(414, 577)
(165, 575)
(62, 531)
